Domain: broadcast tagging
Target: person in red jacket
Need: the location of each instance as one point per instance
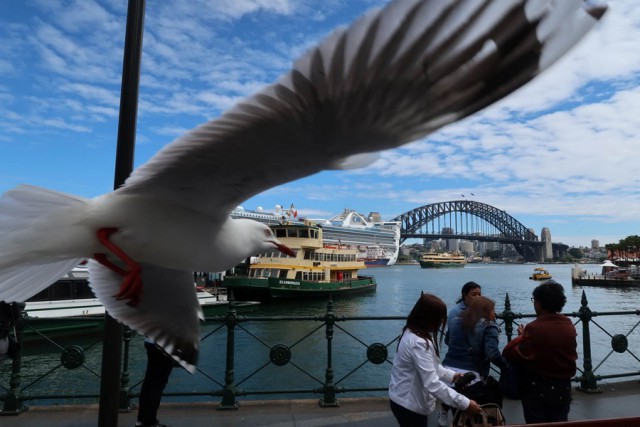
(545, 351)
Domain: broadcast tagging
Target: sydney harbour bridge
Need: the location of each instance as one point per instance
(475, 221)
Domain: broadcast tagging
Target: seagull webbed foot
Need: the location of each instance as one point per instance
(131, 287)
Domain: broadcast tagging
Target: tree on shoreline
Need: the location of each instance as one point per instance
(626, 248)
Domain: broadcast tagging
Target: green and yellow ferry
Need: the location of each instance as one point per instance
(316, 271)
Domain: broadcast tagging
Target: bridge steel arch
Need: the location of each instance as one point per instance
(510, 230)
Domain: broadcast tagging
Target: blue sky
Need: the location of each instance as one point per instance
(563, 152)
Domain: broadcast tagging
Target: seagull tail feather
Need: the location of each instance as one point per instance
(27, 266)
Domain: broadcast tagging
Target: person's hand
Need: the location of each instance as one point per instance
(474, 408)
(520, 329)
(456, 376)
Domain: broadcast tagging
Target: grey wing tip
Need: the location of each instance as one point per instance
(183, 352)
(187, 355)
(596, 11)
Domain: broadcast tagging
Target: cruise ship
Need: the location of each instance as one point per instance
(377, 241)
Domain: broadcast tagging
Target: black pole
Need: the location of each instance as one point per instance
(112, 344)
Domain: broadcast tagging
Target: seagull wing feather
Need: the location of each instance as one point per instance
(169, 312)
(394, 76)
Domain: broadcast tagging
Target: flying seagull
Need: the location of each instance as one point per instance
(395, 75)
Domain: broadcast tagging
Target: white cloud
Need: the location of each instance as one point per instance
(563, 146)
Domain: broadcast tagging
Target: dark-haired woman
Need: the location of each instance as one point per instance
(458, 357)
(458, 349)
(546, 351)
(417, 374)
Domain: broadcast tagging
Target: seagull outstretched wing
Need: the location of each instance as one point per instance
(394, 76)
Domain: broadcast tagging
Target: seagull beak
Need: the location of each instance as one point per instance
(285, 250)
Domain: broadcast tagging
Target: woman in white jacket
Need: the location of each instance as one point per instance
(417, 374)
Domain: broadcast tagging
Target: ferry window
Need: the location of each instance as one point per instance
(304, 233)
(299, 275)
(283, 274)
(292, 232)
(40, 296)
(83, 290)
(314, 234)
(307, 254)
(61, 290)
(281, 232)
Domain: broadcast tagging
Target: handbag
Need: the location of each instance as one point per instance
(491, 416)
(486, 391)
(509, 382)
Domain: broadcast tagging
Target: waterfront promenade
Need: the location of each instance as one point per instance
(617, 400)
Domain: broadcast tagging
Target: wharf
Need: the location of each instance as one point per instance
(603, 282)
(617, 400)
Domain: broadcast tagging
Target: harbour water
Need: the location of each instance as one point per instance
(398, 288)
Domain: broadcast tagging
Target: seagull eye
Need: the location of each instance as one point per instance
(267, 233)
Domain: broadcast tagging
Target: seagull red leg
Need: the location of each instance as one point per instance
(131, 286)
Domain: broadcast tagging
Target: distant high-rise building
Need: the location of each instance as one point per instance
(547, 248)
(466, 247)
(451, 244)
(595, 244)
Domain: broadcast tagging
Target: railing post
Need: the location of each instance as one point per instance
(112, 344)
(588, 381)
(229, 390)
(125, 397)
(508, 316)
(329, 389)
(13, 404)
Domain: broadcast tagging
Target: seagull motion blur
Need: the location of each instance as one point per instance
(393, 76)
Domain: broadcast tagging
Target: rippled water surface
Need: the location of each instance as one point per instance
(398, 289)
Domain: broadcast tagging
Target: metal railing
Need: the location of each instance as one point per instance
(281, 355)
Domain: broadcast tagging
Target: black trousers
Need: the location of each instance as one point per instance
(159, 367)
(546, 400)
(407, 418)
